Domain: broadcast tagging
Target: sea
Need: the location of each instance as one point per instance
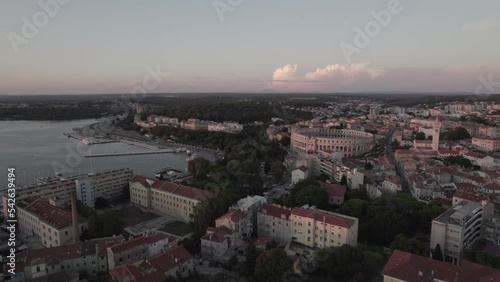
(38, 149)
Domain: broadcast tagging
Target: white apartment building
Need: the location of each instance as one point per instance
(50, 224)
(166, 198)
(320, 229)
(108, 184)
(274, 221)
(456, 229)
(307, 226)
(85, 191)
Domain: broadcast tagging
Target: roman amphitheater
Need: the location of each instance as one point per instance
(349, 142)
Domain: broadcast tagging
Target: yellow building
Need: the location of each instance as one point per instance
(166, 198)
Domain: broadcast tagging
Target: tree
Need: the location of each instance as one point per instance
(311, 195)
(437, 254)
(267, 167)
(343, 181)
(368, 166)
(250, 259)
(347, 263)
(457, 133)
(354, 208)
(101, 203)
(420, 136)
(170, 278)
(199, 167)
(272, 245)
(395, 145)
(271, 265)
(277, 169)
(285, 141)
(402, 243)
(232, 261)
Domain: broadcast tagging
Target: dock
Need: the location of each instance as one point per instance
(132, 153)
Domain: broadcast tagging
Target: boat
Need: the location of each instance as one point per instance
(188, 152)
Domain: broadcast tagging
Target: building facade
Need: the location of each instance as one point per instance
(307, 226)
(488, 144)
(52, 225)
(88, 257)
(166, 198)
(456, 229)
(109, 185)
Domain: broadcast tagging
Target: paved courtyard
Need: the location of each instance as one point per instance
(153, 224)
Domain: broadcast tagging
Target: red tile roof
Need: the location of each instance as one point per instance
(55, 254)
(475, 155)
(336, 220)
(302, 168)
(412, 268)
(174, 188)
(54, 216)
(465, 186)
(144, 240)
(492, 186)
(234, 216)
(275, 210)
(170, 259)
(217, 234)
(473, 197)
(333, 190)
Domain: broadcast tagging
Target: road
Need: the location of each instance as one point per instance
(399, 169)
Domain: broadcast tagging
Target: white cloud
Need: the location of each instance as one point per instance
(479, 26)
(286, 73)
(363, 77)
(345, 73)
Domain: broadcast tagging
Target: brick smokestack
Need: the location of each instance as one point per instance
(74, 219)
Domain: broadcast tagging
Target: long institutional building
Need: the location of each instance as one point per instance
(307, 226)
(310, 141)
(109, 185)
(166, 198)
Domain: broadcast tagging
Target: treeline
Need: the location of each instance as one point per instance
(207, 139)
(240, 111)
(380, 221)
(84, 110)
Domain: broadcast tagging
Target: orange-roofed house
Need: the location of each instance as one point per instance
(406, 267)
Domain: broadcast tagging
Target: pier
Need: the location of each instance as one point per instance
(168, 151)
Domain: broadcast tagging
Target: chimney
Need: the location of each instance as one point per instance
(74, 218)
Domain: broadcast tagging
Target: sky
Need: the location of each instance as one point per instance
(172, 46)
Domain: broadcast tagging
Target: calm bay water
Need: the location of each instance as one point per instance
(34, 147)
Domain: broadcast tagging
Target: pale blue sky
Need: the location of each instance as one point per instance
(104, 46)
